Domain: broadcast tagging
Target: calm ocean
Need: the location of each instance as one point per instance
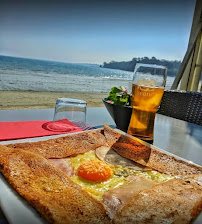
(38, 75)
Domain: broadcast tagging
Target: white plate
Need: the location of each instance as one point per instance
(15, 208)
(18, 211)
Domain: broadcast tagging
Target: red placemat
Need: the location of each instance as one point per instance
(29, 129)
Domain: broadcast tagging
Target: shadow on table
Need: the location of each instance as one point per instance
(195, 131)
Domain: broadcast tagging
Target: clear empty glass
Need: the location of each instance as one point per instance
(72, 109)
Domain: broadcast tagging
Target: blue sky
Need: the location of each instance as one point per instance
(91, 31)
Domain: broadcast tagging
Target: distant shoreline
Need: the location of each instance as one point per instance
(171, 65)
(43, 99)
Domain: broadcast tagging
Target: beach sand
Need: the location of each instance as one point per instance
(31, 99)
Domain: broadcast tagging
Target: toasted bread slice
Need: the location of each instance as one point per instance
(148, 156)
(48, 189)
(176, 201)
(65, 146)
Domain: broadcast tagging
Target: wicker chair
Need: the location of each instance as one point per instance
(182, 105)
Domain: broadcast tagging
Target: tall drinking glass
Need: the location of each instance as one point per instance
(147, 90)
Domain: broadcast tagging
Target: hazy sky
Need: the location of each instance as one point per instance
(95, 31)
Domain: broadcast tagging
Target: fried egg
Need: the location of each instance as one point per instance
(97, 177)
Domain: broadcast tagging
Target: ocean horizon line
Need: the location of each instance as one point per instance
(49, 60)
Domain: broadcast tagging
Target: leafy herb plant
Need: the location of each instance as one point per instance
(119, 96)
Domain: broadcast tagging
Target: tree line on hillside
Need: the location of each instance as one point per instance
(172, 66)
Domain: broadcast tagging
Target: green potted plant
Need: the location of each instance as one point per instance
(118, 104)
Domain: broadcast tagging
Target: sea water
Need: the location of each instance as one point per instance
(39, 75)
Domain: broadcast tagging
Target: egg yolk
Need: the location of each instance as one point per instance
(94, 170)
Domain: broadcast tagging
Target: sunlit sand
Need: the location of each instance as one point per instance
(30, 99)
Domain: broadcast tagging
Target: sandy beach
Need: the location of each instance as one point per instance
(32, 99)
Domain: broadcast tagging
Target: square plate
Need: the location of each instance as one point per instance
(17, 210)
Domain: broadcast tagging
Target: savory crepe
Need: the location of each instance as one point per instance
(103, 176)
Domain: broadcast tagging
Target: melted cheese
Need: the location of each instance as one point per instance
(118, 179)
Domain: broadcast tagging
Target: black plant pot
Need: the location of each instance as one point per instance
(120, 114)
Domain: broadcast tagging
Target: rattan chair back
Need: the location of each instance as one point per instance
(182, 105)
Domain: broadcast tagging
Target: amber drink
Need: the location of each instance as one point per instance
(147, 91)
(145, 104)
